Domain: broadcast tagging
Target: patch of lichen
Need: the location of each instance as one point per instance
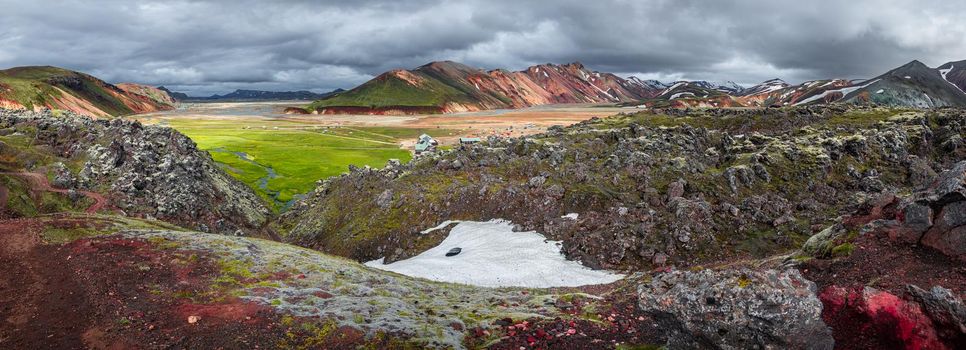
(64, 228)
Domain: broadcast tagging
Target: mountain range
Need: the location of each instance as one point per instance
(442, 87)
(446, 86)
(253, 95)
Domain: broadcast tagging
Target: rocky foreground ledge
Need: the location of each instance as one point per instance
(892, 275)
(128, 283)
(861, 242)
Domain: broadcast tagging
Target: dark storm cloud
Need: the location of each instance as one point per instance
(206, 47)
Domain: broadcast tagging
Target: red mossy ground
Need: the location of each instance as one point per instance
(614, 320)
(117, 293)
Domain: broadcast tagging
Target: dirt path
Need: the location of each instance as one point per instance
(39, 182)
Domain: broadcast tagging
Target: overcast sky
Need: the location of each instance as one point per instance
(204, 47)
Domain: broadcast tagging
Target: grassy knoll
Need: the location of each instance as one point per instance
(389, 90)
(281, 159)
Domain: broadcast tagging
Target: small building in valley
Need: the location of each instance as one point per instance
(469, 140)
(425, 143)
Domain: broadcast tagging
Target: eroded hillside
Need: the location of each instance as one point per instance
(37, 88)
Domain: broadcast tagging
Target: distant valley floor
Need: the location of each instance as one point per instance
(282, 156)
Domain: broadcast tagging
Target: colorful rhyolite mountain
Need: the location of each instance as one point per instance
(441, 87)
(911, 85)
(58, 88)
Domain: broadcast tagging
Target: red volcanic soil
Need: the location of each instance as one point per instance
(879, 262)
(114, 293)
(882, 316)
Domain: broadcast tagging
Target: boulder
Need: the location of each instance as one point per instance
(736, 309)
(868, 318)
(384, 200)
(950, 186)
(946, 310)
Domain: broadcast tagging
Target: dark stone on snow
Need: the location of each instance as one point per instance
(454, 251)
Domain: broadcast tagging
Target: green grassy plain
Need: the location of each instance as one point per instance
(280, 159)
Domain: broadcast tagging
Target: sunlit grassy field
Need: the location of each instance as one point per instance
(281, 159)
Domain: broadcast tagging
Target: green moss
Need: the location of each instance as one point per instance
(234, 271)
(309, 335)
(163, 243)
(639, 347)
(863, 118)
(60, 235)
(842, 250)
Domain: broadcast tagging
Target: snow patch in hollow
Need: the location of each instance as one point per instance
(571, 216)
(494, 256)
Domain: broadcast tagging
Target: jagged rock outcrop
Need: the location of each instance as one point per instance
(935, 217)
(736, 309)
(668, 187)
(145, 170)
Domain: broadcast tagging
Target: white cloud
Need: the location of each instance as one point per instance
(211, 45)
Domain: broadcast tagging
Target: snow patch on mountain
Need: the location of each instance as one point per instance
(844, 91)
(680, 94)
(944, 72)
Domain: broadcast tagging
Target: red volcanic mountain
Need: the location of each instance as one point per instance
(447, 86)
(58, 88)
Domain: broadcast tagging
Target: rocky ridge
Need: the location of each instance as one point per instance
(144, 170)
